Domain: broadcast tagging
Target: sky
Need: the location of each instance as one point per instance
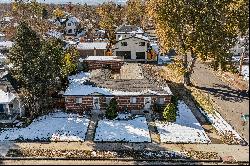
(73, 1)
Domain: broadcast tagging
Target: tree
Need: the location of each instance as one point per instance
(110, 17)
(69, 61)
(205, 29)
(135, 12)
(37, 65)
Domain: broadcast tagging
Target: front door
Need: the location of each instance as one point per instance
(147, 103)
(96, 103)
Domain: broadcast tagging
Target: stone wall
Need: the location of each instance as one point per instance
(123, 101)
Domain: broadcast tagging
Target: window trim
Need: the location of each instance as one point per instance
(142, 45)
(124, 44)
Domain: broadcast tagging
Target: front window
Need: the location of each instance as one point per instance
(78, 100)
(133, 100)
(108, 99)
(124, 43)
(69, 24)
(70, 31)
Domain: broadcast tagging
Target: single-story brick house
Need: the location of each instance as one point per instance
(97, 62)
(86, 93)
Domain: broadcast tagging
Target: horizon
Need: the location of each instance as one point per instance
(90, 2)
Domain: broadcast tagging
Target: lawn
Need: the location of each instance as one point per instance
(58, 126)
(125, 130)
(186, 129)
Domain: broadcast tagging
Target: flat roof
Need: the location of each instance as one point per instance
(103, 58)
(92, 45)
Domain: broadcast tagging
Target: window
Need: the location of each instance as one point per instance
(108, 99)
(161, 100)
(133, 100)
(69, 24)
(119, 36)
(70, 31)
(10, 105)
(124, 43)
(78, 100)
(142, 44)
(140, 55)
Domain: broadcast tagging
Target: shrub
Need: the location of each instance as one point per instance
(111, 110)
(170, 112)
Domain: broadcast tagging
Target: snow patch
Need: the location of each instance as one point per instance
(186, 129)
(134, 130)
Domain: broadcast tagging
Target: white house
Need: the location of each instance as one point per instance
(72, 25)
(125, 31)
(10, 103)
(2, 36)
(133, 47)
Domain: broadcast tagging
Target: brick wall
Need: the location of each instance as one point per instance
(123, 101)
(85, 53)
(115, 65)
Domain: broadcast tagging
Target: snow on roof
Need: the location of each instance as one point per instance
(55, 34)
(142, 37)
(2, 34)
(129, 29)
(78, 88)
(92, 45)
(74, 19)
(6, 97)
(102, 58)
(6, 44)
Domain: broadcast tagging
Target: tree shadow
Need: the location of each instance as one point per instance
(225, 93)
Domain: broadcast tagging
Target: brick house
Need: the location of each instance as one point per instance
(89, 93)
(97, 62)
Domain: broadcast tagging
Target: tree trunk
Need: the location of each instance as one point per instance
(241, 62)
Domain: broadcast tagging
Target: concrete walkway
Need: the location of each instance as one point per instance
(230, 102)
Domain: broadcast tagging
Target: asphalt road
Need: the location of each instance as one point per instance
(232, 102)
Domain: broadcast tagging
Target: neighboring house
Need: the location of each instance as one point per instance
(6, 21)
(99, 34)
(5, 46)
(92, 48)
(240, 47)
(10, 103)
(86, 93)
(55, 34)
(125, 31)
(2, 36)
(132, 48)
(132, 44)
(72, 25)
(98, 62)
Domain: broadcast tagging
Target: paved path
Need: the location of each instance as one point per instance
(231, 102)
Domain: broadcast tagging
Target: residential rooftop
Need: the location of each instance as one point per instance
(103, 58)
(92, 45)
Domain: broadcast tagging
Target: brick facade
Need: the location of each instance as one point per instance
(114, 65)
(123, 101)
(97, 52)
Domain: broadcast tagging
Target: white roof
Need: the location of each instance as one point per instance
(77, 88)
(102, 58)
(6, 44)
(92, 45)
(142, 37)
(2, 34)
(55, 34)
(6, 97)
(135, 36)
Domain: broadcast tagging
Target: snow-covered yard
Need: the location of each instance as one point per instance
(54, 126)
(186, 129)
(131, 130)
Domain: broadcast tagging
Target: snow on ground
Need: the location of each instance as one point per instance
(186, 129)
(55, 126)
(245, 72)
(131, 130)
(220, 124)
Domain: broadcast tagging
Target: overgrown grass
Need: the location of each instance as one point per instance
(174, 73)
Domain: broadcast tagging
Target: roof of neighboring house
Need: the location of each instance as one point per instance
(82, 85)
(2, 34)
(103, 58)
(6, 44)
(129, 29)
(7, 84)
(92, 45)
(55, 34)
(145, 38)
